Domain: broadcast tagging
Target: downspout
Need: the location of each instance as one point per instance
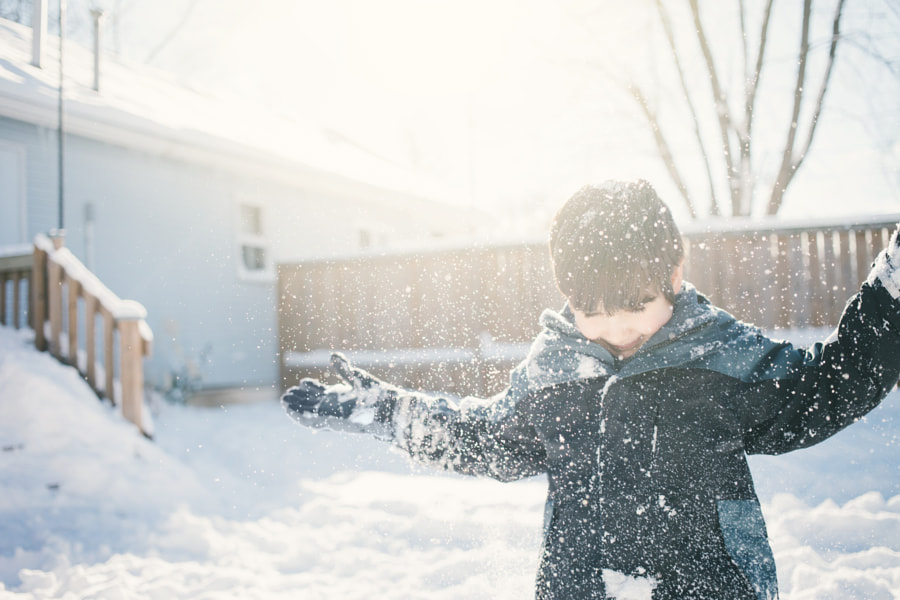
(97, 14)
(38, 31)
(62, 129)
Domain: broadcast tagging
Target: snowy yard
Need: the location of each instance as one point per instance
(237, 502)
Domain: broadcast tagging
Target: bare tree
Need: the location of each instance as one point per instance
(792, 155)
(734, 110)
(703, 93)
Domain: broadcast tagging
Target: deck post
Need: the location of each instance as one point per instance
(131, 356)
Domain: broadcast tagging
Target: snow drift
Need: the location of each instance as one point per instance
(237, 502)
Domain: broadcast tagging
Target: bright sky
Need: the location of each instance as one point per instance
(492, 97)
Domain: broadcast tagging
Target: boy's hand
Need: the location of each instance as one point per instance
(365, 405)
(311, 398)
(887, 266)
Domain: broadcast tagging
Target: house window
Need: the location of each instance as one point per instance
(254, 258)
(254, 261)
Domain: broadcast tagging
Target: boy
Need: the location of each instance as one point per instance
(640, 401)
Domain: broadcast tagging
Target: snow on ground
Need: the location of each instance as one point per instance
(238, 502)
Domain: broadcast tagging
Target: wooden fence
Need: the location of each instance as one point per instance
(786, 277)
(66, 306)
(457, 320)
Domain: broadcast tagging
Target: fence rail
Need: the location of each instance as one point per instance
(66, 305)
(456, 320)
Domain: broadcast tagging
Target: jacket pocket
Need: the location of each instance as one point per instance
(744, 532)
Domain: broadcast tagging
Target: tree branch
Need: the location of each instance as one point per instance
(754, 76)
(662, 147)
(823, 89)
(722, 109)
(791, 162)
(787, 156)
(670, 36)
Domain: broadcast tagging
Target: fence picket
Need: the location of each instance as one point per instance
(90, 338)
(73, 289)
(816, 287)
(54, 295)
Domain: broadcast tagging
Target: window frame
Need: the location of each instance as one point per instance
(254, 238)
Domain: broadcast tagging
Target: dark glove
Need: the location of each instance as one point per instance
(310, 397)
(366, 405)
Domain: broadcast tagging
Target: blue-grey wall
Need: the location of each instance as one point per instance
(41, 168)
(164, 235)
(164, 232)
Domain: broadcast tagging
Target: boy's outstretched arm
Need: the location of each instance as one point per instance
(433, 430)
(837, 382)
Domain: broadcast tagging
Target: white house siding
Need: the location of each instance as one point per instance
(164, 232)
(39, 152)
(12, 193)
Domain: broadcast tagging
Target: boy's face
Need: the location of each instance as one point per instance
(625, 331)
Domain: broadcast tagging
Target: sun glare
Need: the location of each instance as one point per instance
(431, 49)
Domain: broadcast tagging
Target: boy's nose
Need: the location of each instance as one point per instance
(620, 333)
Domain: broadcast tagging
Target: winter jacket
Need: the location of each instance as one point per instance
(646, 457)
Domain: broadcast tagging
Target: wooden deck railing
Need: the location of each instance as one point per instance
(66, 303)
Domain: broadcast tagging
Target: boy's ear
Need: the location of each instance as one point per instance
(678, 277)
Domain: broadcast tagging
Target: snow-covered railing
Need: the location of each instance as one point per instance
(68, 299)
(15, 275)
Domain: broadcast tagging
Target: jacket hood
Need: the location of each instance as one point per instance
(699, 335)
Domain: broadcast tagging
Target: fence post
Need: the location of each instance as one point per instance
(131, 369)
(73, 289)
(109, 328)
(90, 338)
(3, 299)
(54, 298)
(54, 294)
(39, 296)
(17, 279)
(817, 294)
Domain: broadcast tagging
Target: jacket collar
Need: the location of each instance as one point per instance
(561, 353)
(698, 334)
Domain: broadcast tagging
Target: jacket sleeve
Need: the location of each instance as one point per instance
(831, 384)
(473, 437)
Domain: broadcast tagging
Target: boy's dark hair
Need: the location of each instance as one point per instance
(612, 244)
